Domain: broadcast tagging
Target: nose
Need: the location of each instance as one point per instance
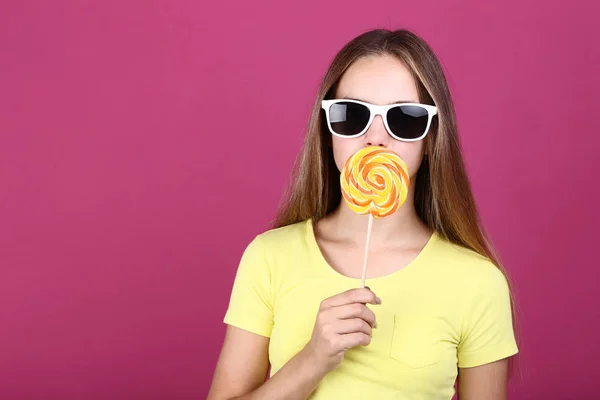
(377, 135)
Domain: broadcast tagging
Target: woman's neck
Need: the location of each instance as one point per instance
(402, 227)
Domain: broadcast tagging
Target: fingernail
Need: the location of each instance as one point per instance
(375, 325)
(366, 287)
(378, 300)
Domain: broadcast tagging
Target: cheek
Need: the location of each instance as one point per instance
(411, 153)
(414, 166)
(343, 149)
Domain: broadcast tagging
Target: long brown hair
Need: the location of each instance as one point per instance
(443, 197)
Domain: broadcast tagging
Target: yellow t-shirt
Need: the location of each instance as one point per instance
(448, 308)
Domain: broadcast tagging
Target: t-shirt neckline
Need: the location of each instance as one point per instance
(317, 255)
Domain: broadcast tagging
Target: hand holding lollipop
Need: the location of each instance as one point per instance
(374, 181)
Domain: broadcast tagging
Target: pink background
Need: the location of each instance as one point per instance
(143, 144)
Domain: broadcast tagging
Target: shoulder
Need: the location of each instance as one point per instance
(286, 233)
(276, 250)
(284, 237)
(282, 240)
(468, 268)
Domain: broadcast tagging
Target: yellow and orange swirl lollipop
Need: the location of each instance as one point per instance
(375, 181)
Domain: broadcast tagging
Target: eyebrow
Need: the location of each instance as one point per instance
(394, 102)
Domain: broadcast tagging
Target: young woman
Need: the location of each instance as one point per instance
(437, 309)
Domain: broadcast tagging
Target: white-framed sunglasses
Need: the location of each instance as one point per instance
(348, 118)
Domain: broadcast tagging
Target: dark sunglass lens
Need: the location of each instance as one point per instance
(348, 118)
(408, 122)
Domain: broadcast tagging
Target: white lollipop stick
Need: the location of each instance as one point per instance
(364, 271)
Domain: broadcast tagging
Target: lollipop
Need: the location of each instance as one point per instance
(374, 181)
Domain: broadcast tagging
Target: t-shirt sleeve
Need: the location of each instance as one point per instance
(251, 301)
(487, 331)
